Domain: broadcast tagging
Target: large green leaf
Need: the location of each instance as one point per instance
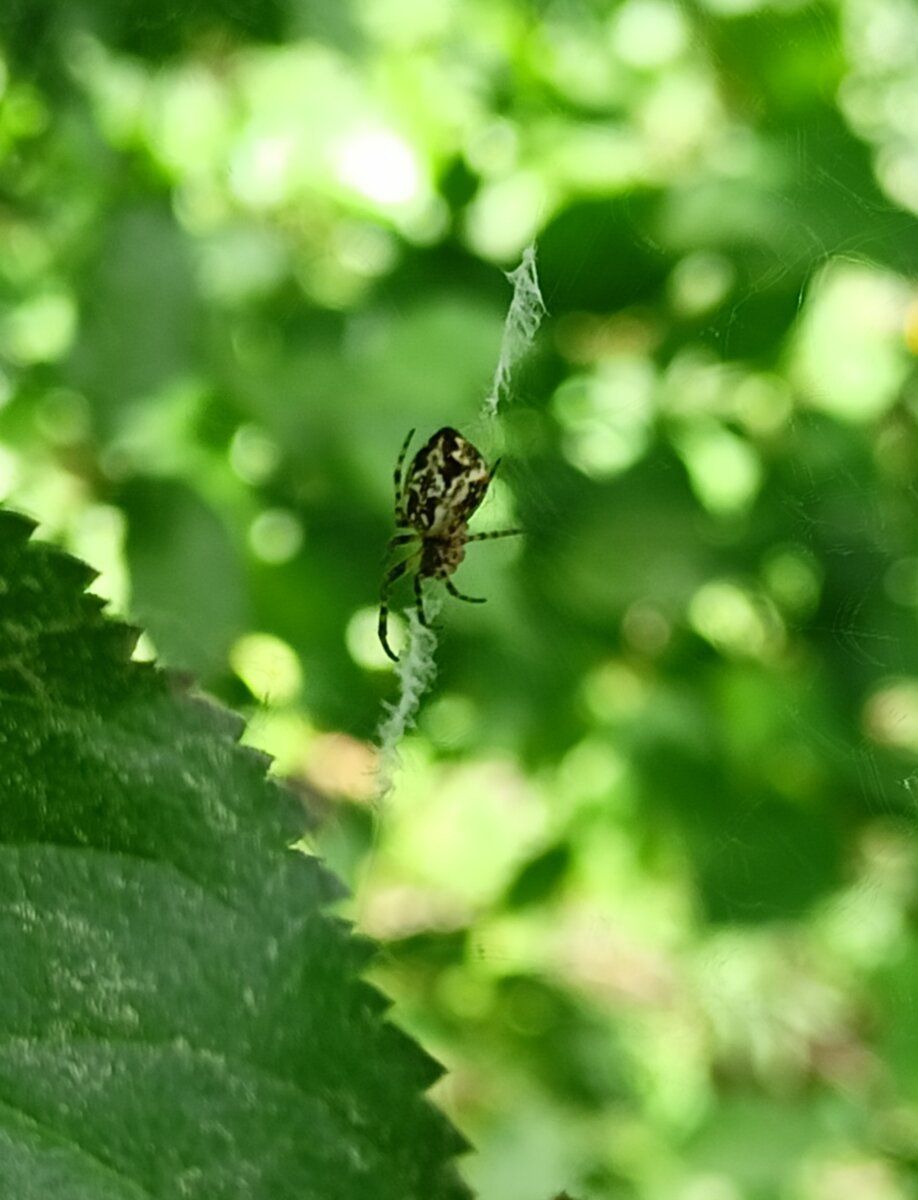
(177, 1018)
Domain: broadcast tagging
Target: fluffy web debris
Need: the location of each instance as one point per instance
(417, 670)
(527, 308)
(417, 667)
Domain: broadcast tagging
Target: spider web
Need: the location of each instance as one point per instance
(417, 666)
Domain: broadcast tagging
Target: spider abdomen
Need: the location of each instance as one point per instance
(440, 556)
(446, 482)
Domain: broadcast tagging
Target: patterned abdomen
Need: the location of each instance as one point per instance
(446, 482)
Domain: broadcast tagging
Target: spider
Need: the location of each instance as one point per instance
(444, 484)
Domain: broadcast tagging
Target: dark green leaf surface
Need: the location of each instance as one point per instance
(177, 1017)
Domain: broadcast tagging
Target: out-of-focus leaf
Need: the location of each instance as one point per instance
(755, 857)
(758, 1141)
(540, 877)
(141, 281)
(615, 233)
(579, 1055)
(187, 580)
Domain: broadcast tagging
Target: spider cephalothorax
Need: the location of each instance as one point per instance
(442, 488)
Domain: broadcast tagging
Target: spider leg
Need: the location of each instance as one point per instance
(496, 533)
(419, 600)
(479, 537)
(389, 578)
(397, 480)
(400, 539)
(453, 591)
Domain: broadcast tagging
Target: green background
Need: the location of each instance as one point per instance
(646, 884)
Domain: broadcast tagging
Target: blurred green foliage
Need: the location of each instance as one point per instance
(647, 880)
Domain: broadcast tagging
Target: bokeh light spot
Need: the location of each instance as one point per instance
(606, 415)
(794, 580)
(268, 667)
(379, 165)
(254, 454)
(363, 640)
(505, 215)
(451, 721)
(40, 329)
(850, 356)
(701, 281)
(723, 467)
(728, 617)
(276, 535)
(891, 715)
(648, 33)
(262, 169)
